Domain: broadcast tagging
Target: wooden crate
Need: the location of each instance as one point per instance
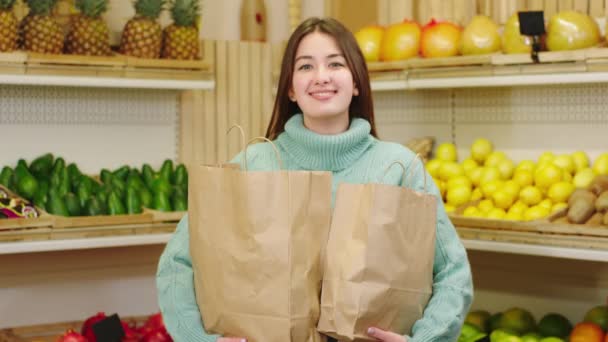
(102, 220)
(161, 216)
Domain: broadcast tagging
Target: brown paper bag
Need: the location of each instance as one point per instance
(379, 261)
(256, 241)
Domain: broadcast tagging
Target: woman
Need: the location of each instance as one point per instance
(323, 119)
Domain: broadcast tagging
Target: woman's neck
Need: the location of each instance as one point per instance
(327, 125)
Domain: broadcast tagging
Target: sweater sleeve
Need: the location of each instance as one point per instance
(176, 296)
(452, 282)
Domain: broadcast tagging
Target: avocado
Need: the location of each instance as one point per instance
(58, 166)
(6, 177)
(133, 201)
(161, 185)
(166, 170)
(72, 204)
(84, 190)
(122, 172)
(56, 205)
(180, 176)
(146, 197)
(179, 200)
(94, 207)
(161, 201)
(115, 204)
(119, 186)
(22, 163)
(26, 184)
(105, 176)
(134, 180)
(74, 175)
(60, 181)
(42, 166)
(148, 175)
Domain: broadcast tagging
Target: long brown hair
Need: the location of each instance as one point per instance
(361, 106)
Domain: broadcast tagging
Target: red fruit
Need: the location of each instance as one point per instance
(71, 336)
(587, 332)
(440, 39)
(87, 326)
(131, 333)
(157, 335)
(155, 321)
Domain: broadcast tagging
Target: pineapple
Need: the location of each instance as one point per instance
(8, 26)
(142, 36)
(40, 31)
(89, 34)
(180, 40)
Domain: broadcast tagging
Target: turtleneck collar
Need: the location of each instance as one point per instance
(315, 151)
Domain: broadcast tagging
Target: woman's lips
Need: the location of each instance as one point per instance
(322, 95)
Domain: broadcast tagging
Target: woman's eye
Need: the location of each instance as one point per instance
(336, 65)
(305, 67)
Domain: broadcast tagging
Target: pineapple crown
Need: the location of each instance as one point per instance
(41, 7)
(92, 8)
(149, 8)
(6, 4)
(185, 12)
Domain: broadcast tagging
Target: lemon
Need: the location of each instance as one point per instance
(600, 166)
(548, 175)
(475, 175)
(523, 177)
(519, 207)
(565, 162)
(485, 206)
(459, 181)
(490, 174)
(547, 204)
(530, 195)
(458, 195)
(446, 152)
(527, 165)
(449, 208)
(496, 213)
(558, 206)
(476, 194)
(512, 187)
(560, 192)
(481, 149)
(469, 164)
(502, 199)
(514, 216)
(583, 178)
(449, 170)
(506, 167)
(536, 212)
(441, 186)
(472, 212)
(546, 157)
(490, 187)
(566, 176)
(432, 166)
(581, 160)
(494, 158)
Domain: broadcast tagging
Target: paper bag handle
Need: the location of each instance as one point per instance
(406, 180)
(242, 136)
(276, 151)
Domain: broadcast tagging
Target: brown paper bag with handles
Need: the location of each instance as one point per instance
(256, 240)
(379, 261)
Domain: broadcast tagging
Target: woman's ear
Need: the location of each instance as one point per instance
(355, 91)
(292, 96)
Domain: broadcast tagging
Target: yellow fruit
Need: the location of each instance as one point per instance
(459, 181)
(513, 216)
(449, 208)
(512, 40)
(440, 39)
(400, 41)
(496, 213)
(490, 187)
(560, 192)
(535, 213)
(566, 176)
(546, 157)
(600, 166)
(468, 165)
(475, 175)
(495, 158)
(449, 170)
(446, 152)
(546, 203)
(583, 178)
(432, 166)
(459, 195)
(441, 186)
(512, 187)
(558, 206)
(546, 176)
(580, 159)
(480, 36)
(571, 30)
(485, 206)
(506, 168)
(530, 195)
(519, 206)
(472, 212)
(565, 162)
(369, 39)
(481, 149)
(523, 178)
(476, 194)
(502, 199)
(490, 174)
(527, 165)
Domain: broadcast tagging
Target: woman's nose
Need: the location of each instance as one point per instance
(322, 76)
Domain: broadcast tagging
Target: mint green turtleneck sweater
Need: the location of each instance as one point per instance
(354, 156)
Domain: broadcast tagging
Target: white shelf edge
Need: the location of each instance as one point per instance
(536, 250)
(105, 82)
(85, 243)
(389, 85)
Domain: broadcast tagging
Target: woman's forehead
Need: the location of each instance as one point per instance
(318, 44)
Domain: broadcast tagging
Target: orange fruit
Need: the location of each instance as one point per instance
(587, 332)
(369, 40)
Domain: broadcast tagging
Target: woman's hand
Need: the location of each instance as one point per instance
(231, 339)
(385, 336)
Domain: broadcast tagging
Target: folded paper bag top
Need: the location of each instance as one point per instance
(379, 259)
(256, 241)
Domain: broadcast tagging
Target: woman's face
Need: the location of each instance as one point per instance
(322, 82)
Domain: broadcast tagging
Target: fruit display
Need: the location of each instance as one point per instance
(488, 184)
(61, 189)
(12, 206)
(400, 41)
(440, 39)
(519, 325)
(142, 35)
(180, 40)
(590, 205)
(369, 40)
(89, 34)
(571, 30)
(40, 32)
(480, 36)
(512, 39)
(8, 26)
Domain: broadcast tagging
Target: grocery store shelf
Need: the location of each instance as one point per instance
(389, 85)
(536, 250)
(83, 243)
(106, 82)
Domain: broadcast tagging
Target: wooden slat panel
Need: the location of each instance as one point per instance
(435, 9)
(233, 97)
(565, 5)
(551, 8)
(596, 8)
(198, 123)
(521, 5)
(581, 6)
(511, 7)
(383, 12)
(221, 86)
(447, 10)
(245, 84)
(267, 88)
(186, 145)
(460, 14)
(535, 5)
(398, 10)
(256, 89)
(210, 114)
(485, 7)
